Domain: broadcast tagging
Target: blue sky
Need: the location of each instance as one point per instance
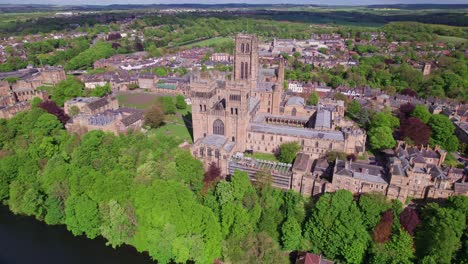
(316, 2)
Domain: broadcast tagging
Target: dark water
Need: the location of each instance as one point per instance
(26, 240)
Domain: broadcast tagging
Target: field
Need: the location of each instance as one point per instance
(174, 124)
(137, 100)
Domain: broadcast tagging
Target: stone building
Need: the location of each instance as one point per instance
(118, 121)
(248, 110)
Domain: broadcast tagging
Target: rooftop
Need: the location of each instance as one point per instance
(296, 131)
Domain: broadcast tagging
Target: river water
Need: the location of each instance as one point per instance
(26, 240)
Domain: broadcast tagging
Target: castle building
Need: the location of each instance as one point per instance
(247, 110)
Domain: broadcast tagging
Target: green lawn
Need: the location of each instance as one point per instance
(178, 131)
(263, 156)
(137, 100)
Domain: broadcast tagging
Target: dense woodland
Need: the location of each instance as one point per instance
(144, 191)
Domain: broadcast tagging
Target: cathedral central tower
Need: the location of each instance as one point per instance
(246, 58)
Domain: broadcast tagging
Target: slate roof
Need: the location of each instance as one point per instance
(98, 103)
(362, 171)
(131, 119)
(295, 100)
(301, 163)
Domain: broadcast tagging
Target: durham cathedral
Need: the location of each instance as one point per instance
(248, 110)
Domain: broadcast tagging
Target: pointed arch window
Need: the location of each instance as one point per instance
(294, 112)
(242, 48)
(247, 48)
(218, 127)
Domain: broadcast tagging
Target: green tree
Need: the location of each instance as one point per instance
(440, 233)
(154, 116)
(180, 102)
(385, 119)
(398, 250)
(291, 234)
(168, 105)
(372, 205)
(100, 91)
(67, 89)
(442, 132)
(335, 228)
(82, 216)
(119, 223)
(381, 138)
(313, 98)
(421, 112)
(55, 212)
(288, 152)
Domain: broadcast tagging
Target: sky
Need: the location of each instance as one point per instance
(314, 2)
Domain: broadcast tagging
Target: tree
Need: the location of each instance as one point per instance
(383, 229)
(335, 228)
(82, 216)
(154, 116)
(385, 119)
(421, 112)
(372, 205)
(313, 99)
(409, 220)
(100, 91)
(442, 132)
(52, 108)
(288, 152)
(256, 248)
(55, 211)
(119, 223)
(353, 109)
(381, 138)
(291, 234)
(398, 250)
(212, 174)
(67, 89)
(440, 233)
(168, 105)
(180, 102)
(415, 130)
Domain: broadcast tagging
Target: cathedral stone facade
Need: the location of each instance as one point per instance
(247, 110)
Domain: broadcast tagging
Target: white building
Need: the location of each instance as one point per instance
(295, 87)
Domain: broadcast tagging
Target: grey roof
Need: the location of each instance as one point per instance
(218, 141)
(362, 171)
(295, 100)
(131, 119)
(296, 131)
(265, 86)
(253, 102)
(301, 163)
(323, 118)
(98, 103)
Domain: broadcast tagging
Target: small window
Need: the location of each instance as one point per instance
(236, 112)
(232, 111)
(233, 139)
